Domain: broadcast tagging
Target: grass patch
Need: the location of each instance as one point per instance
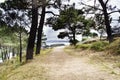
(99, 45)
(114, 48)
(32, 70)
(96, 46)
(7, 67)
(83, 46)
(46, 51)
(107, 63)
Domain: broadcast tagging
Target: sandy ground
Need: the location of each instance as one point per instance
(62, 66)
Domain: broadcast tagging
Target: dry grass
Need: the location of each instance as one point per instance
(32, 70)
(110, 63)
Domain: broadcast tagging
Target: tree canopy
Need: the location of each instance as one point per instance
(73, 22)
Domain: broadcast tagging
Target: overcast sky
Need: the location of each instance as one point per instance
(2, 1)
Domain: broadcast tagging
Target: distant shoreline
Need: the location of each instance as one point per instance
(51, 42)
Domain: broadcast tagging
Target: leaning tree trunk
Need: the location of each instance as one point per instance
(40, 29)
(31, 40)
(107, 21)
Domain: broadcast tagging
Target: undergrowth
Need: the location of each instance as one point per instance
(83, 46)
(96, 46)
(99, 45)
(110, 48)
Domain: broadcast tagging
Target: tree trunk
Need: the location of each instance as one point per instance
(2, 56)
(20, 37)
(108, 27)
(74, 40)
(31, 40)
(40, 29)
(107, 21)
(13, 52)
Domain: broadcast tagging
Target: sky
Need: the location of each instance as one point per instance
(2, 1)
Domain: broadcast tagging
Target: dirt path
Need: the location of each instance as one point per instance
(62, 66)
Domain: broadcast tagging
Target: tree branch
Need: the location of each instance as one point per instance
(26, 24)
(91, 6)
(52, 13)
(114, 12)
(106, 2)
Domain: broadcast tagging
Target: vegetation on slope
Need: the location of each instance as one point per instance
(97, 53)
(112, 48)
(96, 46)
(31, 70)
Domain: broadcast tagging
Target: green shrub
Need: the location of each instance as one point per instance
(84, 39)
(99, 45)
(83, 46)
(114, 47)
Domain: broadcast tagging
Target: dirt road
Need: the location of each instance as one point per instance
(62, 66)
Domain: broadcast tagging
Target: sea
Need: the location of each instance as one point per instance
(52, 42)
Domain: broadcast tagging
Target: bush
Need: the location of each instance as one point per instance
(83, 46)
(114, 47)
(84, 39)
(99, 45)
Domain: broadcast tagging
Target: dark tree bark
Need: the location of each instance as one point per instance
(2, 53)
(31, 40)
(13, 52)
(107, 21)
(40, 30)
(73, 31)
(20, 38)
(74, 37)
